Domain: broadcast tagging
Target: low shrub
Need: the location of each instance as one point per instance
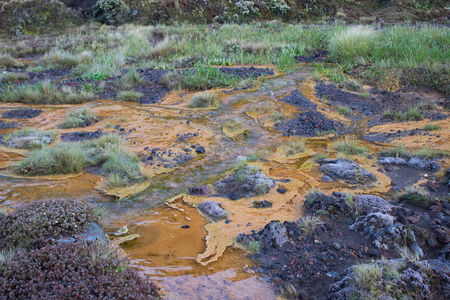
(73, 271)
(33, 225)
(344, 110)
(111, 12)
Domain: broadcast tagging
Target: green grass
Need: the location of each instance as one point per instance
(29, 138)
(117, 162)
(424, 153)
(7, 61)
(44, 93)
(63, 158)
(431, 127)
(130, 96)
(253, 247)
(130, 79)
(79, 118)
(205, 100)
(413, 114)
(349, 146)
(344, 110)
(14, 77)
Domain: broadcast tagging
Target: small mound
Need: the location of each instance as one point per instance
(349, 171)
(244, 183)
(297, 98)
(308, 123)
(79, 136)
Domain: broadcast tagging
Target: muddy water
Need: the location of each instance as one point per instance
(201, 261)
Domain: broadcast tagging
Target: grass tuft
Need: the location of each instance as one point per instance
(309, 224)
(79, 118)
(416, 196)
(349, 146)
(205, 100)
(344, 110)
(294, 146)
(431, 127)
(130, 96)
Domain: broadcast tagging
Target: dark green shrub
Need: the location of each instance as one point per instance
(111, 12)
(72, 271)
(33, 225)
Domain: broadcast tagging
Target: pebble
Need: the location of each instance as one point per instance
(200, 150)
(185, 226)
(327, 178)
(337, 246)
(281, 190)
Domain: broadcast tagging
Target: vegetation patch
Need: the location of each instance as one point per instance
(34, 225)
(29, 138)
(73, 271)
(309, 224)
(415, 196)
(7, 61)
(14, 77)
(414, 114)
(44, 93)
(205, 100)
(431, 127)
(349, 146)
(79, 118)
(130, 96)
(117, 162)
(294, 146)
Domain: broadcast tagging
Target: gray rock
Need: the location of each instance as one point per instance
(392, 161)
(213, 210)
(381, 228)
(371, 204)
(274, 234)
(337, 246)
(93, 233)
(327, 178)
(347, 170)
(424, 165)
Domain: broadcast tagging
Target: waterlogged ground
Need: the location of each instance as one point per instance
(202, 261)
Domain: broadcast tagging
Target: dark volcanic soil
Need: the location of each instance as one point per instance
(26, 113)
(79, 136)
(308, 122)
(312, 262)
(4, 125)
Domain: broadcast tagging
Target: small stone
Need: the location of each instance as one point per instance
(200, 150)
(185, 226)
(333, 274)
(281, 190)
(327, 178)
(425, 175)
(227, 221)
(121, 231)
(337, 246)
